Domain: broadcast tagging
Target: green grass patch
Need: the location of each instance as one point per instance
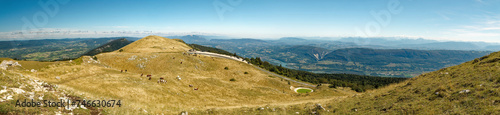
(303, 90)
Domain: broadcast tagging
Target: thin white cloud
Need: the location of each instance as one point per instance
(485, 28)
(56, 33)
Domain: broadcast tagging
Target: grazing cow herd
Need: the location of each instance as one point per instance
(162, 80)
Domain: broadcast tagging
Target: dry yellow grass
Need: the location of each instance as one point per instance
(35, 64)
(439, 92)
(469, 88)
(30, 64)
(1, 59)
(104, 80)
(153, 43)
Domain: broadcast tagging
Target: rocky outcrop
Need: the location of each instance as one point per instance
(8, 63)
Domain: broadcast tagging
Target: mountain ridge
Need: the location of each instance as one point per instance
(108, 47)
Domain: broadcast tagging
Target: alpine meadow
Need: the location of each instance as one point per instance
(249, 57)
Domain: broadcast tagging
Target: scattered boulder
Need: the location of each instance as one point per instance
(319, 107)
(8, 97)
(58, 112)
(83, 107)
(464, 91)
(3, 90)
(132, 58)
(184, 113)
(40, 97)
(17, 90)
(7, 63)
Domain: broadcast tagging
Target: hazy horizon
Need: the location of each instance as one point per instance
(446, 20)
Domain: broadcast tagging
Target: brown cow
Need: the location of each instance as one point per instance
(162, 80)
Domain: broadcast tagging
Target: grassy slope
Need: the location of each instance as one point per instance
(104, 81)
(28, 65)
(11, 79)
(35, 64)
(437, 92)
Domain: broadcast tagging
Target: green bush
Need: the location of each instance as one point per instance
(232, 79)
(226, 68)
(246, 72)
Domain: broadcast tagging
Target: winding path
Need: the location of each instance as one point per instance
(241, 60)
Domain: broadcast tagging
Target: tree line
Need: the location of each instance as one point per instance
(359, 83)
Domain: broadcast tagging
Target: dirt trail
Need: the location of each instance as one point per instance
(282, 104)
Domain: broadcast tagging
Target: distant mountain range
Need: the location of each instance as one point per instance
(58, 49)
(370, 56)
(354, 42)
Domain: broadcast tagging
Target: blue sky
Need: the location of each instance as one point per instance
(458, 20)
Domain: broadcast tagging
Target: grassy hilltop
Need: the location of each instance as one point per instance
(100, 77)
